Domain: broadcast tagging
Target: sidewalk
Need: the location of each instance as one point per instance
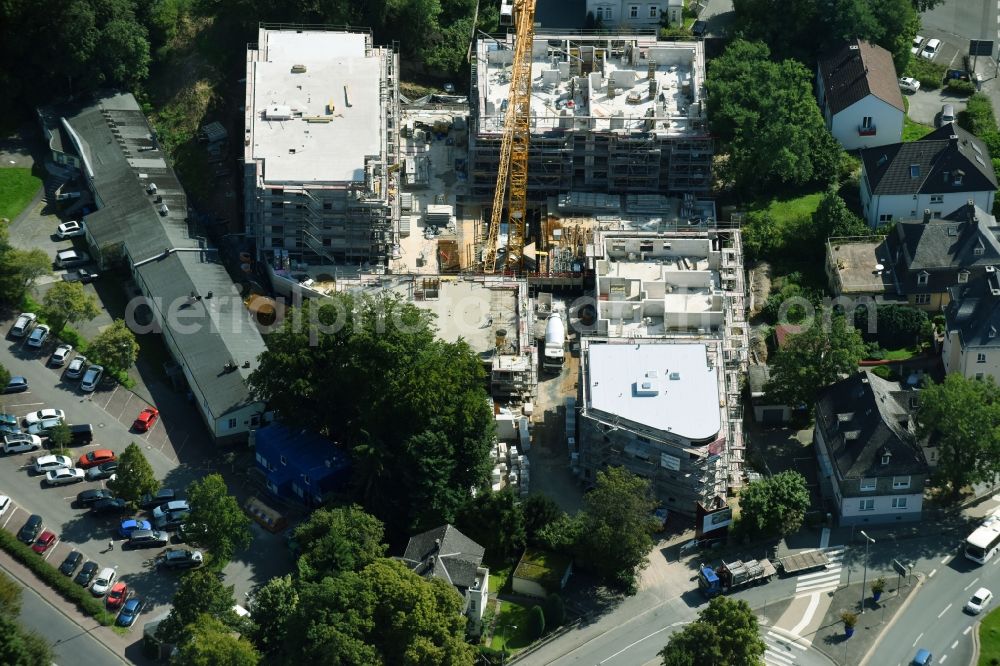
(115, 643)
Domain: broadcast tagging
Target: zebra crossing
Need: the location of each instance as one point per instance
(825, 580)
(779, 650)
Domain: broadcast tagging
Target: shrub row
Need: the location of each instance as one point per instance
(52, 577)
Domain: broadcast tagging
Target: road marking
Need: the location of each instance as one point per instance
(931, 574)
(808, 615)
(954, 645)
(918, 639)
(971, 584)
(946, 609)
(806, 578)
(780, 658)
(631, 645)
(967, 630)
(943, 657)
(9, 516)
(947, 559)
(787, 640)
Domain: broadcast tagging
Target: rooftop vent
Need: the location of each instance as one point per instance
(675, 376)
(298, 69)
(853, 47)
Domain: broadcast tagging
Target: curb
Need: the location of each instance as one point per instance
(895, 616)
(975, 644)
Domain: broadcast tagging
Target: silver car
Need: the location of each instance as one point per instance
(92, 378)
(64, 476)
(38, 336)
(76, 367)
(60, 355)
(19, 443)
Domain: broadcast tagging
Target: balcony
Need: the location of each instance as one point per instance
(867, 131)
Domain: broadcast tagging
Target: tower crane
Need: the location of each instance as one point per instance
(512, 174)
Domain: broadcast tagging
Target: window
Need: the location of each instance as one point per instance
(232, 423)
(277, 204)
(963, 277)
(277, 191)
(937, 198)
(957, 178)
(978, 251)
(868, 485)
(923, 277)
(922, 299)
(981, 357)
(979, 376)
(654, 12)
(633, 11)
(277, 242)
(899, 502)
(867, 505)
(885, 458)
(914, 171)
(884, 218)
(327, 205)
(866, 123)
(900, 482)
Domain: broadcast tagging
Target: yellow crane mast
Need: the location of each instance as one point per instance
(512, 173)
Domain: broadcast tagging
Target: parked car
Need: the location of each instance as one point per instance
(44, 541)
(76, 367)
(91, 495)
(41, 414)
(105, 579)
(49, 463)
(96, 457)
(132, 524)
(698, 28)
(979, 601)
(17, 384)
(908, 84)
(102, 471)
(24, 322)
(115, 506)
(947, 114)
(10, 420)
(147, 539)
(64, 476)
(171, 520)
(86, 574)
(38, 336)
(146, 419)
(918, 42)
(116, 595)
(70, 229)
(161, 496)
(189, 533)
(30, 529)
(19, 443)
(81, 434)
(71, 258)
(4, 504)
(43, 427)
(60, 355)
(91, 378)
(71, 562)
(84, 275)
(130, 611)
(931, 48)
(167, 508)
(180, 558)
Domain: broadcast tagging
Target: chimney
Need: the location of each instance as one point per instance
(437, 545)
(971, 205)
(927, 215)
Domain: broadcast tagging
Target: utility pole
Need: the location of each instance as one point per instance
(864, 582)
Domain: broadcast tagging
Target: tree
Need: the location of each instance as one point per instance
(10, 596)
(538, 511)
(274, 604)
(21, 647)
(60, 437)
(961, 418)
(726, 632)
(338, 540)
(834, 218)
(775, 504)
(134, 476)
(67, 303)
(814, 359)
(19, 269)
(383, 614)
(209, 642)
(200, 592)
(115, 347)
(896, 326)
(616, 526)
(495, 522)
(226, 527)
(536, 622)
(4, 376)
(555, 611)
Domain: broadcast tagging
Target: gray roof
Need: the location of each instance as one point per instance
(856, 69)
(445, 553)
(863, 417)
(929, 165)
(974, 311)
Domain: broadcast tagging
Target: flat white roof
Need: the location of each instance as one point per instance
(334, 106)
(633, 381)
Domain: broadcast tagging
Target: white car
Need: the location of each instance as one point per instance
(23, 324)
(60, 355)
(91, 378)
(38, 335)
(908, 84)
(76, 367)
(64, 476)
(4, 504)
(43, 426)
(979, 601)
(931, 48)
(70, 229)
(918, 41)
(19, 443)
(42, 414)
(105, 579)
(49, 463)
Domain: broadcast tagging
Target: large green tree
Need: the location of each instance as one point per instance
(726, 632)
(834, 218)
(19, 269)
(617, 525)
(199, 592)
(67, 303)
(226, 526)
(134, 476)
(273, 607)
(538, 511)
(21, 647)
(115, 347)
(961, 418)
(411, 409)
(815, 358)
(775, 504)
(495, 522)
(209, 642)
(338, 540)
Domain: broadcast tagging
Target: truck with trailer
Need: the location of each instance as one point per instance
(740, 573)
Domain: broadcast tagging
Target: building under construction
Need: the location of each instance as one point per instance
(320, 146)
(621, 114)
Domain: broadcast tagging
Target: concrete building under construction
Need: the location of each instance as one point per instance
(609, 113)
(320, 145)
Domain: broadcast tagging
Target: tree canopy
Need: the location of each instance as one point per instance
(134, 476)
(273, 607)
(726, 632)
(226, 526)
(495, 522)
(338, 540)
(18, 268)
(209, 642)
(115, 347)
(775, 504)
(411, 409)
(67, 303)
(200, 592)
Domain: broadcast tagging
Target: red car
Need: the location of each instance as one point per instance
(96, 457)
(44, 541)
(117, 595)
(146, 419)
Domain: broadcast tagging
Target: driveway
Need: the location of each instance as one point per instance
(925, 105)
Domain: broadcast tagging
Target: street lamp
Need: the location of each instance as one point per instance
(503, 635)
(864, 582)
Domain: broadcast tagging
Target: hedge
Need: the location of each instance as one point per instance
(64, 585)
(960, 87)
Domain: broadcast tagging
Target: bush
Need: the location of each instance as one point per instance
(555, 611)
(850, 619)
(536, 623)
(960, 87)
(882, 371)
(51, 576)
(978, 117)
(930, 75)
(897, 326)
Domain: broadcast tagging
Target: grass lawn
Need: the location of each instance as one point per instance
(901, 354)
(17, 188)
(506, 635)
(913, 131)
(989, 639)
(499, 578)
(786, 211)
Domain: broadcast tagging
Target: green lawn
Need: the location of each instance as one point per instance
(511, 628)
(989, 639)
(901, 354)
(500, 578)
(785, 211)
(17, 188)
(913, 131)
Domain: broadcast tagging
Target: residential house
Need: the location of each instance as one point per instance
(540, 573)
(633, 14)
(940, 172)
(446, 553)
(972, 319)
(859, 95)
(872, 469)
(299, 465)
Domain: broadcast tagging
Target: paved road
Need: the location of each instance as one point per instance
(967, 19)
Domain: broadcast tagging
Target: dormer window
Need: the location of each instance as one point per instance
(885, 457)
(963, 277)
(923, 277)
(957, 177)
(993, 332)
(914, 171)
(978, 250)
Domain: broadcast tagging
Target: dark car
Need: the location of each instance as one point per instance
(81, 434)
(130, 611)
(30, 531)
(698, 28)
(86, 574)
(162, 496)
(146, 539)
(110, 507)
(93, 495)
(189, 533)
(71, 562)
(103, 471)
(16, 384)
